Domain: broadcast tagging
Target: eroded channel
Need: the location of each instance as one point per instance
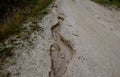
(61, 51)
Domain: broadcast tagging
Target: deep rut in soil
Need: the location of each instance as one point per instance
(61, 51)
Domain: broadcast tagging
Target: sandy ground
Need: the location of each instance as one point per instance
(81, 39)
(94, 31)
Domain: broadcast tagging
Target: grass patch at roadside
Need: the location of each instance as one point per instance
(108, 2)
(13, 24)
(21, 25)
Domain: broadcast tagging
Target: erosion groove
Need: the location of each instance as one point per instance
(61, 52)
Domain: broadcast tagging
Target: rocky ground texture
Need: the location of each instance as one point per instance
(79, 39)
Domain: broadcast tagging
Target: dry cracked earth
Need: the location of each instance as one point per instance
(80, 39)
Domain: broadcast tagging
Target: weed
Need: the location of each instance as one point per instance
(13, 24)
(109, 2)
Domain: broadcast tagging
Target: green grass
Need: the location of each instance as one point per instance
(108, 2)
(13, 24)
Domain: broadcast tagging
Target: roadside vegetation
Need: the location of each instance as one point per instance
(13, 13)
(109, 2)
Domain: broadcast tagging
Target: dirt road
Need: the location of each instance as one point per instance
(81, 39)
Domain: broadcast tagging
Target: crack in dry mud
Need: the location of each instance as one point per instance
(61, 52)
